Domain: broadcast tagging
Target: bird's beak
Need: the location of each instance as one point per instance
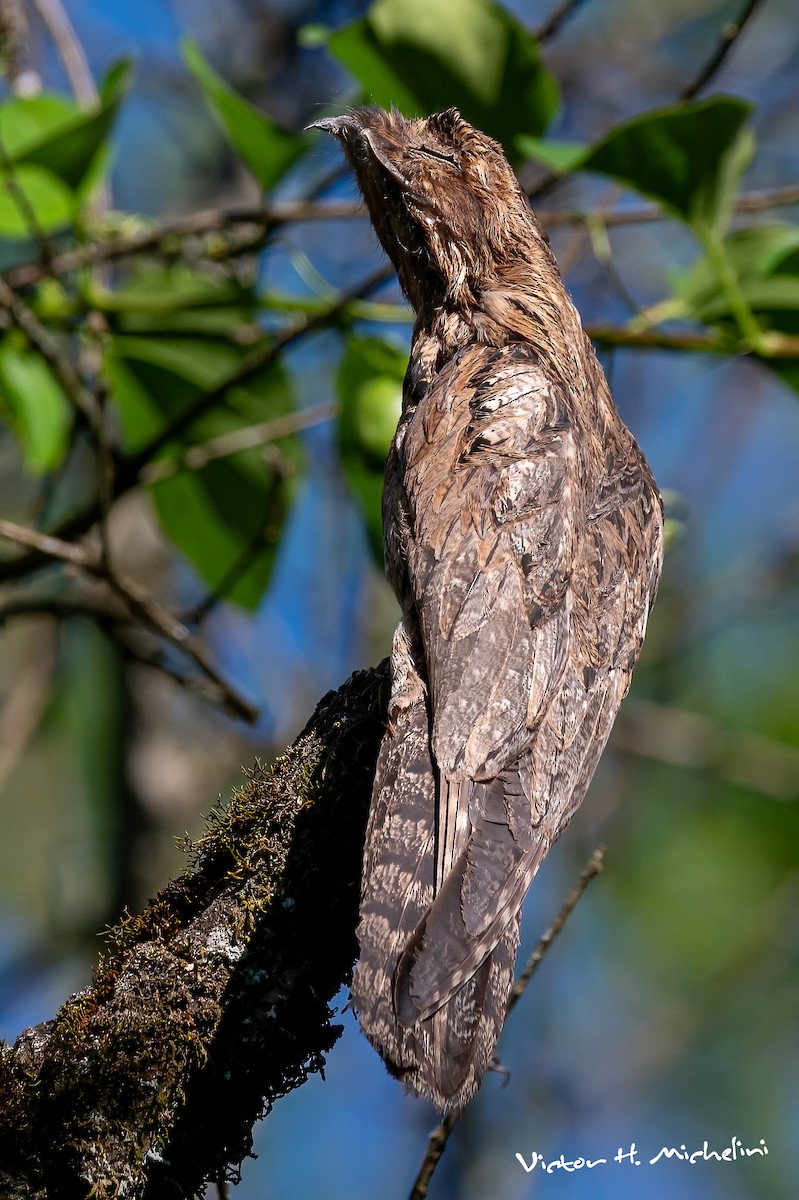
(338, 126)
(351, 126)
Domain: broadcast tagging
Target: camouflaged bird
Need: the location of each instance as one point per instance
(523, 538)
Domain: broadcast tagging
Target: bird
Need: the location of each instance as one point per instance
(523, 538)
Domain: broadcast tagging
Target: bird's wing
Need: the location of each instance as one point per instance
(532, 557)
(494, 500)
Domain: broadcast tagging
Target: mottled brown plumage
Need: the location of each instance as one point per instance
(523, 538)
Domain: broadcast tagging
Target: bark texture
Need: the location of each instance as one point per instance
(214, 1001)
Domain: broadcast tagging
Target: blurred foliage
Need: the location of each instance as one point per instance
(158, 361)
(178, 336)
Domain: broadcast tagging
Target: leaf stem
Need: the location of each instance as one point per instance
(747, 322)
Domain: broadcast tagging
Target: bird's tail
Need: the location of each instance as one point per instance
(444, 1055)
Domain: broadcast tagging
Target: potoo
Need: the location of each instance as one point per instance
(523, 537)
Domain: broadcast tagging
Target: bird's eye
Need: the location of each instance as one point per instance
(441, 155)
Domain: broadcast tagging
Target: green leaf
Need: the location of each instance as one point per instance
(370, 389)
(560, 157)
(69, 148)
(24, 121)
(51, 202)
(427, 55)
(689, 157)
(267, 150)
(229, 513)
(221, 516)
(35, 407)
(179, 299)
(764, 259)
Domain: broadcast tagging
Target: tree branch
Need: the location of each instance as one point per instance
(194, 458)
(215, 1001)
(158, 240)
(70, 51)
(128, 469)
(779, 345)
(730, 33)
(48, 349)
(137, 600)
(759, 201)
(557, 18)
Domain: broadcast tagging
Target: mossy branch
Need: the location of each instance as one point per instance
(214, 1001)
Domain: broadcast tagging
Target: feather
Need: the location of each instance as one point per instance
(523, 538)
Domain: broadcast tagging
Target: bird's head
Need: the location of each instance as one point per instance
(442, 197)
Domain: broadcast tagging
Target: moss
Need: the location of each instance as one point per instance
(215, 1000)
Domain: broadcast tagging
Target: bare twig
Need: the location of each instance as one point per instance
(117, 627)
(600, 244)
(730, 33)
(255, 546)
(137, 600)
(435, 1148)
(93, 368)
(779, 345)
(155, 240)
(440, 1136)
(256, 362)
(589, 872)
(197, 457)
(47, 247)
(70, 51)
(642, 214)
(58, 607)
(48, 349)
(557, 18)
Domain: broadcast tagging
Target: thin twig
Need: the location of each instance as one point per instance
(70, 51)
(440, 1136)
(93, 368)
(251, 436)
(648, 213)
(128, 469)
(730, 33)
(778, 345)
(47, 247)
(256, 362)
(60, 608)
(218, 220)
(558, 17)
(137, 600)
(435, 1148)
(589, 872)
(118, 629)
(600, 244)
(196, 225)
(241, 564)
(48, 349)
